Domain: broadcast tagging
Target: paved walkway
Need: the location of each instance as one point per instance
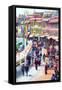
(32, 73)
(42, 77)
(36, 75)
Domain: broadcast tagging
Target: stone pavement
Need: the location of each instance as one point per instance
(42, 77)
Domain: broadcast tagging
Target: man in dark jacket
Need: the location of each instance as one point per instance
(27, 64)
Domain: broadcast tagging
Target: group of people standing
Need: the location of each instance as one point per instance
(34, 59)
(37, 58)
(39, 54)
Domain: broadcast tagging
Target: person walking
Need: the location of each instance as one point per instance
(46, 68)
(40, 56)
(27, 65)
(23, 69)
(36, 64)
(44, 57)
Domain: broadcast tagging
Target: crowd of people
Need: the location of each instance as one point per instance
(37, 57)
